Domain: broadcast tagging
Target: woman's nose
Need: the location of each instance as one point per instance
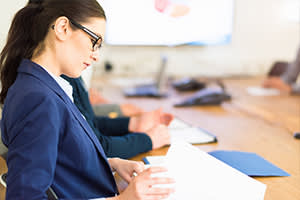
(95, 56)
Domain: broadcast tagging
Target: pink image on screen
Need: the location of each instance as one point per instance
(161, 5)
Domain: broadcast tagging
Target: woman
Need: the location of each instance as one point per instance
(49, 143)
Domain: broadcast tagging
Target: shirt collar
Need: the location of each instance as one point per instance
(65, 85)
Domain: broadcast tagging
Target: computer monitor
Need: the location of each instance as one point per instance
(168, 22)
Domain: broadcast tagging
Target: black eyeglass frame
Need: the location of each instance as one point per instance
(90, 33)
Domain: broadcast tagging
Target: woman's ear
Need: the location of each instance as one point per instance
(62, 28)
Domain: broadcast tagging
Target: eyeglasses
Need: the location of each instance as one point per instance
(96, 41)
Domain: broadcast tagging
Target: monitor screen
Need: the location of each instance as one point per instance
(168, 22)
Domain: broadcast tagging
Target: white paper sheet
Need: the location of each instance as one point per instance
(260, 91)
(181, 130)
(201, 176)
(177, 123)
(155, 160)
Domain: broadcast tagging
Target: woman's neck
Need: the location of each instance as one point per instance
(47, 60)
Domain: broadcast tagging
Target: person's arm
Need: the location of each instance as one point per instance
(112, 127)
(125, 146)
(131, 144)
(292, 73)
(277, 83)
(32, 136)
(295, 88)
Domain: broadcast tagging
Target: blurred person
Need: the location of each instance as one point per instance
(286, 83)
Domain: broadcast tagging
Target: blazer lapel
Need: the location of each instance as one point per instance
(38, 72)
(85, 126)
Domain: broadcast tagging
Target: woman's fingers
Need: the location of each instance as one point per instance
(155, 197)
(162, 180)
(139, 167)
(156, 169)
(161, 191)
(149, 186)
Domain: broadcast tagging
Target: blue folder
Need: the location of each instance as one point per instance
(248, 163)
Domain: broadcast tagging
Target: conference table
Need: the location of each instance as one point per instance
(260, 124)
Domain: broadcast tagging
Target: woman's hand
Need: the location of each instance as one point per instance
(125, 168)
(141, 186)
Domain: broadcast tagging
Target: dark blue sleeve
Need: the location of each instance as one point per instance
(125, 146)
(291, 74)
(31, 131)
(112, 127)
(122, 144)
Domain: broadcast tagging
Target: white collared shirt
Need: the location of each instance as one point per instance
(65, 85)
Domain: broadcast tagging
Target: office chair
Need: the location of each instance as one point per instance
(3, 153)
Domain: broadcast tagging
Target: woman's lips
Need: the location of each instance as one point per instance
(86, 64)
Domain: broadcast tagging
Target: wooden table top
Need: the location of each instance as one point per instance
(263, 125)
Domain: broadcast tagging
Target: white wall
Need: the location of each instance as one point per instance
(7, 11)
(263, 32)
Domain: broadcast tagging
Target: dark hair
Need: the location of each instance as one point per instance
(29, 28)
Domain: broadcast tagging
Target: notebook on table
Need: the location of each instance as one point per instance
(181, 130)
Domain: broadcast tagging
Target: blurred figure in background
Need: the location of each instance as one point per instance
(286, 83)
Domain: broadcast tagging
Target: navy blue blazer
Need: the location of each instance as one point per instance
(50, 143)
(112, 133)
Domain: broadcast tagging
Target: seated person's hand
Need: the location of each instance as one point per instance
(145, 121)
(277, 83)
(96, 97)
(141, 187)
(160, 136)
(126, 168)
(166, 118)
(131, 110)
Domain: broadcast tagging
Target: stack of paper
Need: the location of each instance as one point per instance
(248, 163)
(201, 176)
